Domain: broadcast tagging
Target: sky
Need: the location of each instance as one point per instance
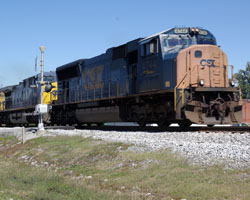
(75, 29)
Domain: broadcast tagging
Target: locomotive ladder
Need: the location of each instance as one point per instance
(182, 92)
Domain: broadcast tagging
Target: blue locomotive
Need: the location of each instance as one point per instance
(17, 102)
(179, 75)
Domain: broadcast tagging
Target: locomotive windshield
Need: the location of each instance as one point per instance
(186, 41)
(201, 39)
(49, 78)
(172, 42)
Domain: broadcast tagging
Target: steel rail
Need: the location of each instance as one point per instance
(233, 129)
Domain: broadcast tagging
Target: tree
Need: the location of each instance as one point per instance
(243, 78)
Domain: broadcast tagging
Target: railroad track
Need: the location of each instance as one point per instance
(157, 129)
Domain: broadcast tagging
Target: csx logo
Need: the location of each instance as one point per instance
(92, 77)
(209, 63)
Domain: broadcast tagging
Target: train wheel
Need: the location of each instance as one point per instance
(184, 123)
(163, 124)
(142, 124)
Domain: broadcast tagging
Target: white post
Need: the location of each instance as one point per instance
(23, 135)
(40, 117)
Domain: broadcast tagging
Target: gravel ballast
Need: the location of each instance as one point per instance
(230, 149)
(204, 148)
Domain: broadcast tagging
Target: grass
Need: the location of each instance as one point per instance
(8, 139)
(20, 181)
(78, 168)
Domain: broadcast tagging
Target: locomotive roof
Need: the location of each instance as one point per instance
(154, 35)
(7, 88)
(181, 30)
(51, 73)
(76, 62)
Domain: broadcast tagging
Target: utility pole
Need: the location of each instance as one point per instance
(42, 49)
(41, 108)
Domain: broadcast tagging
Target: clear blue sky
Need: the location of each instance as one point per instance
(74, 29)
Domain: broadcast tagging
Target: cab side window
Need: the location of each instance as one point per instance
(149, 48)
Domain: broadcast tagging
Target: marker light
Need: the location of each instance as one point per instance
(201, 82)
(232, 84)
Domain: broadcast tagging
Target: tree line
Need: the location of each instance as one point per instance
(243, 79)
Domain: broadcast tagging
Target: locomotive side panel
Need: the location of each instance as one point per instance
(109, 75)
(94, 85)
(67, 75)
(169, 73)
(149, 66)
(94, 81)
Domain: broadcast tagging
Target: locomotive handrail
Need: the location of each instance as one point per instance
(240, 94)
(114, 88)
(176, 89)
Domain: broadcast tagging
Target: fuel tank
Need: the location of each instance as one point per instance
(102, 114)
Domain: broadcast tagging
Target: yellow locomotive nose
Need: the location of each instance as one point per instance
(51, 96)
(207, 95)
(2, 100)
(204, 66)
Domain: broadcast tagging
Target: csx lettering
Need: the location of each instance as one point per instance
(209, 63)
(95, 77)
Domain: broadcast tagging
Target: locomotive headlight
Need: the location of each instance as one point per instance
(202, 82)
(232, 83)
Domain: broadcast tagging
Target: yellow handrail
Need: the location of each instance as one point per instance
(240, 93)
(182, 95)
(176, 89)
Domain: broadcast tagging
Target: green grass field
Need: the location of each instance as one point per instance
(78, 168)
